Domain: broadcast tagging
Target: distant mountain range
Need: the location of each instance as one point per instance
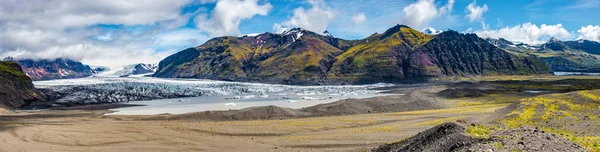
(567, 56)
(53, 69)
(299, 56)
(62, 68)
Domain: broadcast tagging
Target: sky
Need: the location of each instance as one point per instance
(120, 32)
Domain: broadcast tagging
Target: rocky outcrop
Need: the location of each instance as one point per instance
(298, 56)
(16, 89)
(53, 69)
(453, 137)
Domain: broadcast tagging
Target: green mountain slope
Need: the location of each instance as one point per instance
(16, 89)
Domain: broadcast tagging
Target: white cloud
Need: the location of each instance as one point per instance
(58, 14)
(69, 29)
(316, 19)
(589, 33)
(484, 26)
(228, 14)
(431, 30)
(528, 33)
(420, 13)
(91, 54)
(183, 37)
(359, 18)
(469, 30)
(447, 9)
(423, 12)
(475, 12)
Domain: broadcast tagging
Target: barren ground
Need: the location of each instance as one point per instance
(77, 130)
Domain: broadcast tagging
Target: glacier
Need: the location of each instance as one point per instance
(145, 90)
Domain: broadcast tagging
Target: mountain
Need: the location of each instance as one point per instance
(295, 55)
(300, 56)
(502, 43)
(569, 56)
(16, 89)
(136, 69)
(53, 69)
(100, 69)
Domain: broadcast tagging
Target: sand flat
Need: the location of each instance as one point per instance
(74, 130)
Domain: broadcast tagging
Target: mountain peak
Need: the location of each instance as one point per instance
(553, 40)
(430, 30)
(403, 33)
(395, 29)
(9, 58)
(555, 45)
(293, 31)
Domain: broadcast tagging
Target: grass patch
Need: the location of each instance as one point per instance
(553, 109)
(479, 131)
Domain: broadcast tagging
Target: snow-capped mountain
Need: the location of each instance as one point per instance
(48, 69)
(506, 44)
(129, 70)
(431, 31)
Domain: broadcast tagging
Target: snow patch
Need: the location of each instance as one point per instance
(251, 35)
(430, 30)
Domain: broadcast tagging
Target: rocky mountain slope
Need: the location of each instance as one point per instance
(16, 89)
(569, 56)
(300, 56)
(53, 69)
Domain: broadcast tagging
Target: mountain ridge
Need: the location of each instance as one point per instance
(48, 69)
(564, 56)
(300, 56)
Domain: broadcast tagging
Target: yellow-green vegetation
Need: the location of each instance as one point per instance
(589, 95)
(480, 131)
(377, 129)
(412, 37)
(498, 145)
(299, 60)
(375, 51)
(8, 67)
(469, 103)
(568, 110)
(464, 109)
(15, 75)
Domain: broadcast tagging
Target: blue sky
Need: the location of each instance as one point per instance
(384, 14)
(122, 32)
